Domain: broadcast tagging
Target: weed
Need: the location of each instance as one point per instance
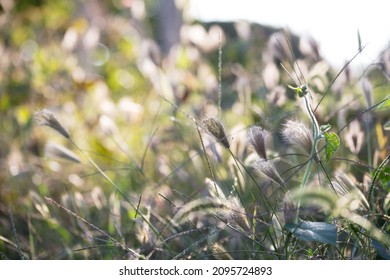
(207, 160)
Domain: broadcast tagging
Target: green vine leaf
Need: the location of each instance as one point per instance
(332, 144)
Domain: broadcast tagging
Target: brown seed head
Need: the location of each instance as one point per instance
(215, 128)
(289, 208)
(55, 150)
(268, 169)
(257, 137)
(46, 117)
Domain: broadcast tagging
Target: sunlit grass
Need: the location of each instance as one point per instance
(195, 155)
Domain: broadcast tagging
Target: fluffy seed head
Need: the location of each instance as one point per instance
(268, 169)
(234, 211)
(56, 150)
(298, 134)
(216, 129)
(289, 208)
(46, 117)
(257, 137)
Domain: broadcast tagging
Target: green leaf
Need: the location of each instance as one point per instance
(314, 231)
(332, 144)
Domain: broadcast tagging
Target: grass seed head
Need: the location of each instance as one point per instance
(46, 117)
(257, 138)
(215, 128)
(296, 133)
(289, 208)
(56, 150)
(202, 207)
(238, 214)
(214, 189)
(268, 169)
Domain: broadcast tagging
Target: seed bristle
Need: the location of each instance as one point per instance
(46, 117)
(296, 133)
(257, 138)
(215, 128)
(56, 150)
(268, 169)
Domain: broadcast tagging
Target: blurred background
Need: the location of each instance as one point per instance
(333, 24)
(106, 70)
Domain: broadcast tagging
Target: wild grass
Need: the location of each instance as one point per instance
(196, 155)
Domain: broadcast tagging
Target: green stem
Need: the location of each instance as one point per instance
(117, 189)
(304, 181)
(316, 128)
(313, 152)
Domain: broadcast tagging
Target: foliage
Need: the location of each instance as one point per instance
(111, 149)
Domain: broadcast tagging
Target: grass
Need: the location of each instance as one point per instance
(196, 156)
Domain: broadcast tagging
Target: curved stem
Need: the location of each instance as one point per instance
(313, 152)
(316, 128)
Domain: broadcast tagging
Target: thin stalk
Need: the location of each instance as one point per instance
(117, 189)
(117, 243)
(304, 180)
(219, 74)
(313, 152)
(367, 126)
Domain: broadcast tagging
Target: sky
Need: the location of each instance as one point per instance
(333, 23)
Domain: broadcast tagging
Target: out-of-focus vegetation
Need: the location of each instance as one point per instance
(161, 160)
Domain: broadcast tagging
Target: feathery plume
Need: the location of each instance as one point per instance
(257, 137)
(56, 150)
(268, 169)
(296, 133)
(46, 117)
(289, 208)
(214, 189)
(234, 210)
(215, 128)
